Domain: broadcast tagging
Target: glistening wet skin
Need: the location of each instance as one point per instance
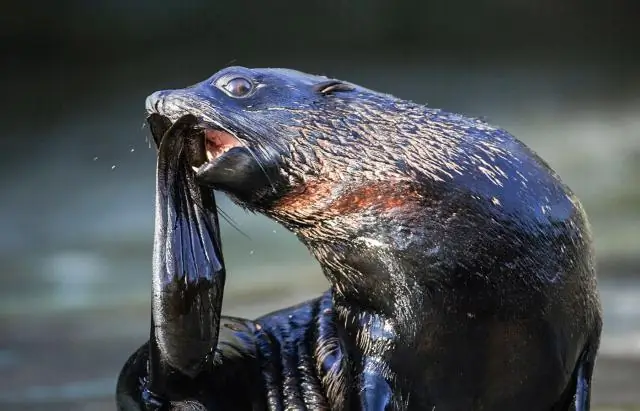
(461, 268)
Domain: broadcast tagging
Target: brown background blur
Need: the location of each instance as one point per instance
(76, 189)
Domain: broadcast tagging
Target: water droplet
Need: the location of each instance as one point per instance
(251, 252)
(133, 149)
(113, 167)
(274, 231)
(95, 158)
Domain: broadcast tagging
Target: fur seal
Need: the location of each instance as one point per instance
(461, 267)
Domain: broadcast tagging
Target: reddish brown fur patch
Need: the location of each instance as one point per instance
(381, 196)
(315, 199)
(306, 197)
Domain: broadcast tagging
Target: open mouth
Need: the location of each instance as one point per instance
(219, 159)
(217, 142)
(208, 143)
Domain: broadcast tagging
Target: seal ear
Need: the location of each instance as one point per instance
(331, 86)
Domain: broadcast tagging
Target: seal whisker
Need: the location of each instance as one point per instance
(226, 217)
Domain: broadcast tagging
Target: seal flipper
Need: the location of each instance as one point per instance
(583, 387)
(188, 271)
(577, 396)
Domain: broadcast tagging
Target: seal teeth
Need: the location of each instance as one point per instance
(194, 168)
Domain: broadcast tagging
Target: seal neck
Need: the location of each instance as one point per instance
(377, 278)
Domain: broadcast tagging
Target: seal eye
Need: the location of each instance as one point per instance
(238, 87)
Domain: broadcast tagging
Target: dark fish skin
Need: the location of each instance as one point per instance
(462, 269)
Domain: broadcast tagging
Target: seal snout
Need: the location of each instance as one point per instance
(165, 109)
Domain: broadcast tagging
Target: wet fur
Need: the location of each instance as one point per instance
(461, 267)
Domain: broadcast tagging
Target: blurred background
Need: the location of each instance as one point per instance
(77, 173)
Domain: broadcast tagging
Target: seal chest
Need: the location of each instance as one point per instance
(461, 267)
